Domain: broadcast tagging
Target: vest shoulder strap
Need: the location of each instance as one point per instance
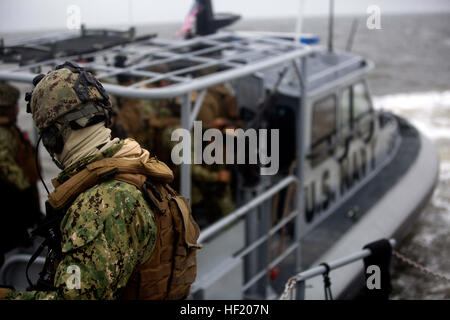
(105, 169)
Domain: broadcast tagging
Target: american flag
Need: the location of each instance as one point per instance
(189, 21)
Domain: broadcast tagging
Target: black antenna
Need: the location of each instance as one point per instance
(351, 37)
(331, 27)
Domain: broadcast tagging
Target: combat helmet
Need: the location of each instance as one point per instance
(67, 96)
(8, 95)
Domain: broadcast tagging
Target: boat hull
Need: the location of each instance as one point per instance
(392, 216)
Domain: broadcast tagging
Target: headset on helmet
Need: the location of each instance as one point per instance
(88, 114)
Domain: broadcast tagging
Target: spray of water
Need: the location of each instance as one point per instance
(429, 241)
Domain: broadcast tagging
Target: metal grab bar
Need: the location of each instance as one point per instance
(232, 217)
(319, 270)
(316, 271)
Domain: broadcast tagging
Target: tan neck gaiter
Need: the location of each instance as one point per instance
(85, 142)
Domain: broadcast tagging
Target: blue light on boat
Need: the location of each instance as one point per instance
(310, 40)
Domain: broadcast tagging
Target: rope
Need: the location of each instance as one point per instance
(420, 267)
(288, 293)
(289, 289)
(327, 282)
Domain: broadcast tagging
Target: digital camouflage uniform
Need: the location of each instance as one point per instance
(10, 170)
(210, 198)
(131, 118)
(109, 229)
(213, 198)
(117, 130)
(139, 118)
(151, 123)
(18, 176)
(107, 232)
(218, 103)
(157, 114)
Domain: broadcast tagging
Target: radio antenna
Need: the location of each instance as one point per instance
(331, 27)
(351, 37)
(299, 24)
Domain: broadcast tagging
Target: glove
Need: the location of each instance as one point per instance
(3, 292)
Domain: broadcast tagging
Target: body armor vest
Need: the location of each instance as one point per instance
(172, 267)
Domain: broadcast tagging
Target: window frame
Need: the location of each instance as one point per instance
(355, 119)
(333, 132)
(367, 97)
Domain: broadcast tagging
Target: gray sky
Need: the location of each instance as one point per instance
(37, 15)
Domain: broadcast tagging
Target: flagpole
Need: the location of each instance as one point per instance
(130, 13)
(299, 24)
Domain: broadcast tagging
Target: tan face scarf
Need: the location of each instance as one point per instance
(82, 143)
(132, 150)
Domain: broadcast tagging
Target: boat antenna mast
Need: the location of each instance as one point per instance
(351, 37)
(331, 27)
(299, 24)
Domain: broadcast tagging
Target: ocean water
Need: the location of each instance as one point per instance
(411, 78)
(429, 241)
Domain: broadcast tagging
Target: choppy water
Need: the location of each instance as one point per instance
(411, 78)
(429, 241)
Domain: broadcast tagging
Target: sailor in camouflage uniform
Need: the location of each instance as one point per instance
(211, 184)
(117, 130)
(141, 118)
(122, 229)
(18, 176)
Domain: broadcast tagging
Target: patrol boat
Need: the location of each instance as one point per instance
(348, 174)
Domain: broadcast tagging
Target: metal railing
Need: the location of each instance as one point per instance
(253, 243)
(243, 210)
(299, 280)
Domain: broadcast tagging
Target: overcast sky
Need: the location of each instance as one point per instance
(37, 15)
